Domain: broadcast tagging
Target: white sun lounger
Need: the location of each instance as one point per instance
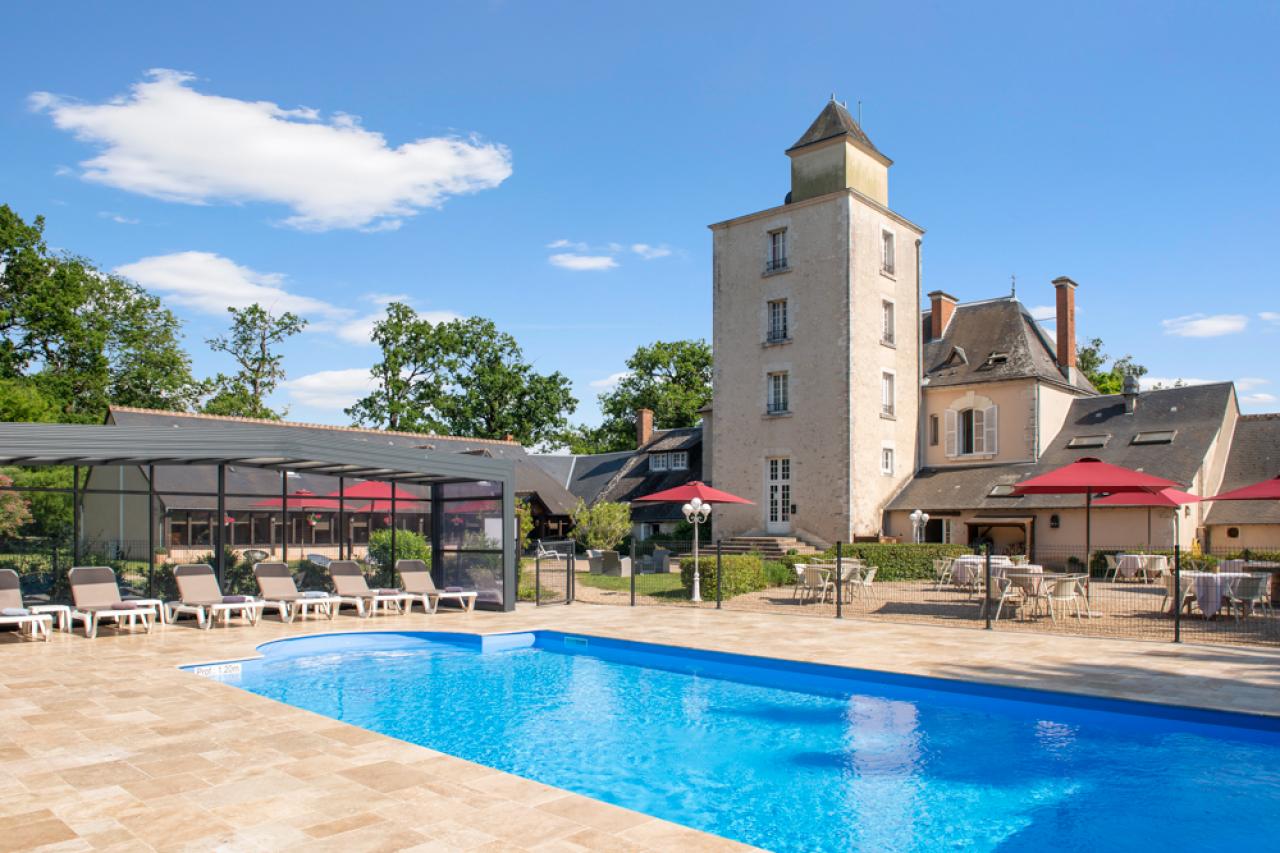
(351, 588)
(417, 582)
(200, 595)
(97, 597)
(276, 583)
(13, 612)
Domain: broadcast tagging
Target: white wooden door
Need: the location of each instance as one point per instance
(777, 476)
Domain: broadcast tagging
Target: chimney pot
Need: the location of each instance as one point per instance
(1066, 325)
(644, 426)
(941, 307)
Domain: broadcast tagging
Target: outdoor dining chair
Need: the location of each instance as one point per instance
(942, 570)
(1065, 593)
(1252, 592)
(1001, 592)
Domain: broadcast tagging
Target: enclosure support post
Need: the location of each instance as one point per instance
(986, 582)
(220, 541)
(344, 547)
(537, 581)
(437, 533)
(151, 531)
(633, 578)
(839, 576)
(392, 569)
(284, 517)
(75, 515)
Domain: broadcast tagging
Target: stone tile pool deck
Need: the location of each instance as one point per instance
(106, 745)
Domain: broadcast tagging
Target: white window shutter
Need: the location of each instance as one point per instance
(951, 433)
(991, 423)
(979, 431)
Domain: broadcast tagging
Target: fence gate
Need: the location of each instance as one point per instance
(553, 567)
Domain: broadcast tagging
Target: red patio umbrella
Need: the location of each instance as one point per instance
(1267, 490)
(1090, 476)
(301, 500)
(699, 492)
(689, 491)
(1168, 498)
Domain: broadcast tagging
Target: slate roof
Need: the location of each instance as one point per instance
(1003, 328)
(634, 479)
(530, 478)
(1254, 456)
(833, 121)
(1196, 413)
(586, 474)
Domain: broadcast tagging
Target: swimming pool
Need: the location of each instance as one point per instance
(793, 756)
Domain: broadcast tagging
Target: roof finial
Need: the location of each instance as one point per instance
(833, 96)
(1013, 287)
(859, 112)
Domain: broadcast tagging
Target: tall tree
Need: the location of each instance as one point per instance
(255, 334)
(1092, 362)
(463, 377)
(673, 378)
(80, 339)
(409, 378)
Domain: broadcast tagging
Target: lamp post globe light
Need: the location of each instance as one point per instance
(918, 521)
(696, 512)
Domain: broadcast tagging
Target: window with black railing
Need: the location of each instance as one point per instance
(777, 257)
(778, 326)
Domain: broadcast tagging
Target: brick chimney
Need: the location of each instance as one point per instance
(1066, 323)
(941, 307)
(644, 426)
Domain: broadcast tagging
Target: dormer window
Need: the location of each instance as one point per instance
(658, 462)
(996, 358)
(679, 460)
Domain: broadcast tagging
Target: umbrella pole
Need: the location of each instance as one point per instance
(1088, 551)
(1148, 528)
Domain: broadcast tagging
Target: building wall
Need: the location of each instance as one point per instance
(1055, 403)
(835, 433)
(1208, 480)
(833, 166)
(1016, 404)
(1256, 537)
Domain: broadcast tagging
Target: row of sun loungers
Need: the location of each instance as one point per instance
(97, 597)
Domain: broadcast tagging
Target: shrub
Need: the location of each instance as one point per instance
(899, 562)
(742, 573)
(601, 526)
(779, 573)
(409, 546)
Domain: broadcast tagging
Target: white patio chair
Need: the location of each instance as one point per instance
(861, 583)
(799, 587)
(1064, 593)
(942, 572)
(1113, 566)
(1001, 592)
(1186, 599)
(1253, 592)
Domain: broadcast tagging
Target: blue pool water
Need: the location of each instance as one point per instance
(792, 756)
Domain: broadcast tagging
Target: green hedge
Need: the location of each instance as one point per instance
(742, 573)
(898, 562)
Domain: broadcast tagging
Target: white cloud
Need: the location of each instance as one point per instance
(1260, 399)
(166, 140)
(568, 244)
(1205, 325)
(117, 217)
(610, 381)
(1044, 312)
(1270, 316)
(648, 252)
(330, 389)
(211, 283)
(1248, 383)
(581, 263)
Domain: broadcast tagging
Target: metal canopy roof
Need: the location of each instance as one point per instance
(339, 454)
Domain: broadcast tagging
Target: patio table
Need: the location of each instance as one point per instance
(967, 568)
(1210, 587)
(1149, 565)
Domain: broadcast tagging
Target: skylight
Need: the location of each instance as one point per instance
(1089, 440)
(1002, 490)
(1155, 436)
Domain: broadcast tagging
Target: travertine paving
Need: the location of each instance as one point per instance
(107, 746)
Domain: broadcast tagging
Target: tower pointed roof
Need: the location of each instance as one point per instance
(834, 121)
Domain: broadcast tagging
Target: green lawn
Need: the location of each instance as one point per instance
(661, 584)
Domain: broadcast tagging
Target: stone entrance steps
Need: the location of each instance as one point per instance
(771, 547)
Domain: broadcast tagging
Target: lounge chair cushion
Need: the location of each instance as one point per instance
(315, 593)
(15, 611)
(234, 599)
(119, 605)
(454, 589)
(388, 592)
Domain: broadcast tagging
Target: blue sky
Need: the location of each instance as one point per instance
(554, 166)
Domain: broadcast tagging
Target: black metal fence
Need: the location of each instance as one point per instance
(1115, 591)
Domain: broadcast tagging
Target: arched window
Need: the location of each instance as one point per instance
(972, 431)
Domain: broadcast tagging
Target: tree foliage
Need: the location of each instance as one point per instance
(1092, 362)
(74, 339)
(14, 510)
(255, 334)
(462, 377)
(673, 378)
(601, 526)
